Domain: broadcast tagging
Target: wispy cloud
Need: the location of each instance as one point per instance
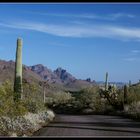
(121, 15)
(100, 30)
(135, 51)
(113, 16)
(130, 59)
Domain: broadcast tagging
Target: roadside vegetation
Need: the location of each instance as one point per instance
(109, 99)
(24, 117)
(22, 108)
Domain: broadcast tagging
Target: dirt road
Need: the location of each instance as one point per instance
(90, 126)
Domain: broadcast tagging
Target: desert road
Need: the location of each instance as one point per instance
(90, 126)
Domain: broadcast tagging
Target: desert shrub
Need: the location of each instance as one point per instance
(90, 99)
(84, 101)
(114, 96)
(133, 94)
(32, 100)
(58, 98)
(31, 106)
(132, 106)
(7, 106)
(17, 109)
(133, 110)
(23, 116)
(60, 101)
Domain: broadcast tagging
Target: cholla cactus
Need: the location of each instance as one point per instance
(18, 71)
(109, 92)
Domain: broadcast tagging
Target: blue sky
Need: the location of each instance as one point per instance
(87, 40)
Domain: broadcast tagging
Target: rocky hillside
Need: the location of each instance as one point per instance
(64, 75)
(7, 72)
(59, 75)
(58, 79)
(45, 73)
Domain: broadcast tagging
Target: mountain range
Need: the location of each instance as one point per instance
(59, 78)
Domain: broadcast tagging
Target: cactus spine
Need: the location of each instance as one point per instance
(106, 81)
(18, 71)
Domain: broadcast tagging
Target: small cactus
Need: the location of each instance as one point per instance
(18, 71)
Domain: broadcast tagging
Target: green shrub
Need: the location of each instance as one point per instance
(90, 99)
(133, 110)
(7, 106)
(58, 98)
(32, 100)
(86, 100)
(33, 97)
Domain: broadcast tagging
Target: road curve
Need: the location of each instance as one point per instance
(90, 126)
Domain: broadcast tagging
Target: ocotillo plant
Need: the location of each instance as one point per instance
(18, 71)
(106, 81)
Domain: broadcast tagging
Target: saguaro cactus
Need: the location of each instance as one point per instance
(125, 94)
(106, 81)
(18, 71)
(129, 82)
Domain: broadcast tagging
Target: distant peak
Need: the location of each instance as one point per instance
(39, 65)
(60, 69)
(11, 61)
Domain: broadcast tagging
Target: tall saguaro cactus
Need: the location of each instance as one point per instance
(106, 81)
(125, 94)
(129, 82)
(18, 71)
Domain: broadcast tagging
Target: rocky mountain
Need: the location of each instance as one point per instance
(59, 78)
(59, 75)
(44, 73)
(7, 72)
(64, 75)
